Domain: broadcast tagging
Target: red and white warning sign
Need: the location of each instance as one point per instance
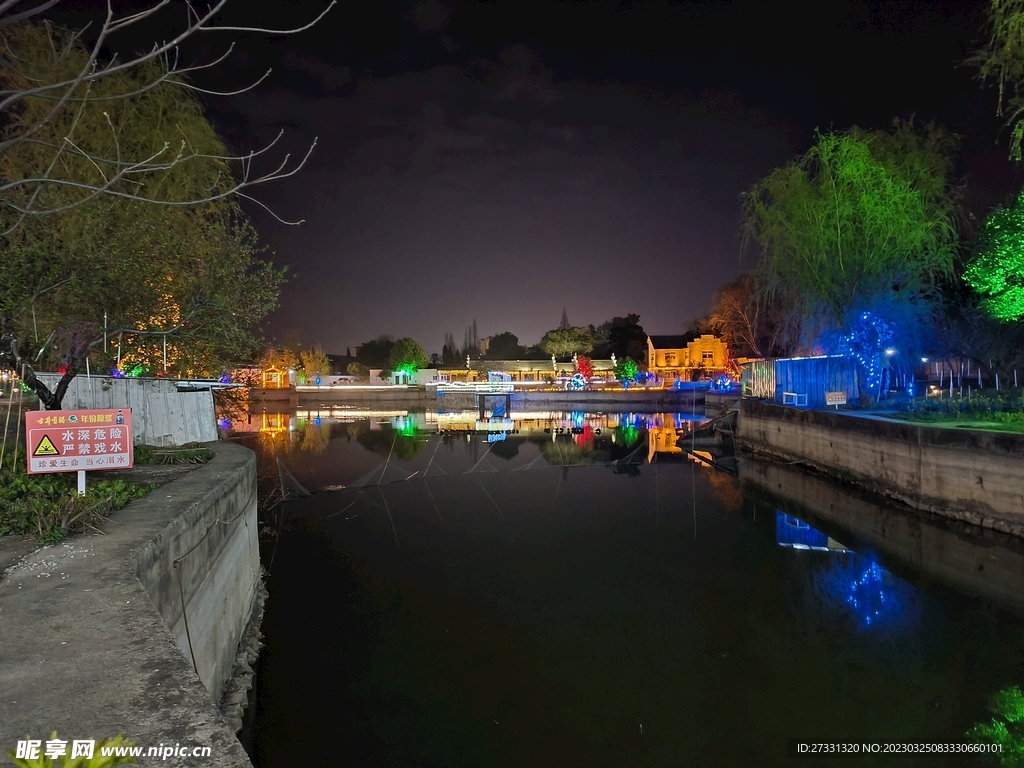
(73, 441)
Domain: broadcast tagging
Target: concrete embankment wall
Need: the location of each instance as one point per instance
(985, 563)
(612, 400)
(410, 399)
(93, 636)
(202, 570)
(969, 475)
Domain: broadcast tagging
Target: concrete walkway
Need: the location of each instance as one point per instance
(84, 652)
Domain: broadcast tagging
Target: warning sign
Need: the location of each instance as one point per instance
(72, 441)
(46, 448)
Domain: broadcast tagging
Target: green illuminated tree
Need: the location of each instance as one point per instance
(863, 218)
(1002, 60)
(1006, 727)
(997, 269)
(565, 343)
(626, 370)
(407, 355)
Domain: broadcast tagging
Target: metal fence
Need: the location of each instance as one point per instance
(802, 381)
(162, 414)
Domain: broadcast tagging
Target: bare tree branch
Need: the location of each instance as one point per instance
(14, 18)
(76, 90)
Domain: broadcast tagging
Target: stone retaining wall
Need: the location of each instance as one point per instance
(969, 475)
(98, 635)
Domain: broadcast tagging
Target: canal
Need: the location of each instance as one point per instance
(573, 589)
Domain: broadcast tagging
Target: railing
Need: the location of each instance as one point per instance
(477, 387)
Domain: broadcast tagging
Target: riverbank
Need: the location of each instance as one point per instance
(969, 475)
(137, 631)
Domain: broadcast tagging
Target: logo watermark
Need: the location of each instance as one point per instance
(36, 749)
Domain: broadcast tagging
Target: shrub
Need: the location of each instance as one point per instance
(1006, 728)
(49, 506)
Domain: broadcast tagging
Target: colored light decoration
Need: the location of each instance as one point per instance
(407, 368)
(627, 435)
(225, 424)
(225, 379)
(117, 373)
(577, 381)
(627, 370)
(585, 437)
(866, 341)
(995, 272)
(874, 598)
(584, 367)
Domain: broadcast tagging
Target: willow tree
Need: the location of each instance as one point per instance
(865, 221)
(1001, 61)
(154, 256)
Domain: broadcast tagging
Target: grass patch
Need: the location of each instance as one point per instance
(994, 412)
(193, 453)
(49, 506)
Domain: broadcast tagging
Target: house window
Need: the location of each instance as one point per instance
(670, 358)
(708, 356)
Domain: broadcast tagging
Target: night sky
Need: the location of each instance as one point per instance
(499, 161)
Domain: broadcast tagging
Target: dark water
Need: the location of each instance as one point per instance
(582, 598)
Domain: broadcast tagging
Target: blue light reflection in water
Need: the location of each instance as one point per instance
(855, 585)
(873, 597)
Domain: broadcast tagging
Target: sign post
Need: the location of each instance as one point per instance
(835, 398)
(78, 441)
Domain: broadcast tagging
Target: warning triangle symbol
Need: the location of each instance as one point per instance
(46, 448)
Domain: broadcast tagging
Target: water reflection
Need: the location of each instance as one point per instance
(869, 594)
(852, 585)
(564, 438)
(793, 532)
(531, 600)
